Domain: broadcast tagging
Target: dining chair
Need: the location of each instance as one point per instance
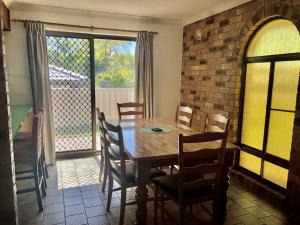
(130, 109)
(199, 179)
(103, 164)
(120, 169)
(26, 136)
(28, 161)
(184, 115)
(216, 123)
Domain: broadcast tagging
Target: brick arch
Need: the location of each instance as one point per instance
(280, 11)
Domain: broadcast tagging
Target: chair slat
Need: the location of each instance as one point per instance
(184, 115)
(201, 169)
(213, 123)
(138, 109)
(203, 182)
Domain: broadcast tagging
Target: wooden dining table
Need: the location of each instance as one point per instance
(161, 149)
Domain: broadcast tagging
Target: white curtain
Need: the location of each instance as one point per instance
(144, 71)
(38, 64)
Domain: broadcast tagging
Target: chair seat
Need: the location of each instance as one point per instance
(170, 184)
(23, 136)
(24, 152)
(130, 172)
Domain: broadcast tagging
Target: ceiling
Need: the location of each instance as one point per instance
(160, 9)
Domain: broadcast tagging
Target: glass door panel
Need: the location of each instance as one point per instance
(114, 75)
(280, 134)
(275, 174)
(256, 92)
(285, 85)
(250, 162)
(70, 84)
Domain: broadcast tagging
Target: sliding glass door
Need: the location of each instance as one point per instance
(87, 71)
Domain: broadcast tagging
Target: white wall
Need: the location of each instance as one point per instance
(167, 51)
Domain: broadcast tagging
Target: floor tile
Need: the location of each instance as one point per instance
(54, 208)
(55, 218)
(74, 196)
(74, 209)
(95, 211)
(79, 219)
(98, 220)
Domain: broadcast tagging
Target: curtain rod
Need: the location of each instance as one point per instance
(85, 27)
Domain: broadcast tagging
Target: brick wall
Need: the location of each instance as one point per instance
(8, 200)
(212, 67)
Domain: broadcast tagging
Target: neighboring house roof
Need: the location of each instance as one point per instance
(61, 76)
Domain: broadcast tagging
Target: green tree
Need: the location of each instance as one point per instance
(114, 63)
(69, 53)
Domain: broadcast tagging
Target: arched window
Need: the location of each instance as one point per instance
(269, 90)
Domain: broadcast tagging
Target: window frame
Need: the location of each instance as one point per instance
(262, 154)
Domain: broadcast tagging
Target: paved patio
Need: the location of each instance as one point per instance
(74, 198)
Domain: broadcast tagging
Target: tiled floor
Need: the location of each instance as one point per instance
(73, 197)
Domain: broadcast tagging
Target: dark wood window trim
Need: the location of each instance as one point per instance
(272, 59)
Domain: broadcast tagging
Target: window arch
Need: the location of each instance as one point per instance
(269, 90)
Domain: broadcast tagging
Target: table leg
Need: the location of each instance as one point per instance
(225, 184)
(141, 197)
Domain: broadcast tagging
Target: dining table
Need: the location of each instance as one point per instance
(160, 149)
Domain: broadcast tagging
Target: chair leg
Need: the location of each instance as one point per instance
(109, 194)
(181, 214)
(123, 205)
(155, 204)
(44, 164)
(101, 166)
(42, 168)
(42, 179)
(37, 187)
(191, 209)
(105, 172)
(162, 211)
(171, 169)
(216, 214)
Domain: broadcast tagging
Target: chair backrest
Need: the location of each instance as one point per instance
(201, 168)
(37, 134)
(216, 123)
(42, 110)
(133, 109)
(101, 119)
(115, 149)
(184, 115)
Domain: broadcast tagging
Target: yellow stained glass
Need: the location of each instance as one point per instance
(256, 91)
(275, 174)
(285, 85)
(280, 134)
(250, 162)
(276, 37)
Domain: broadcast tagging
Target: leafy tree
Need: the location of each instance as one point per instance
(114, 63)
(69, 53)
(114, 59)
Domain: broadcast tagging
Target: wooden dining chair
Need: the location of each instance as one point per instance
(120, 169)
(184, 115)
(103, 164)
(216, 123)
(130, 109)
(28, 161)
(26, 136)
(199, 179)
